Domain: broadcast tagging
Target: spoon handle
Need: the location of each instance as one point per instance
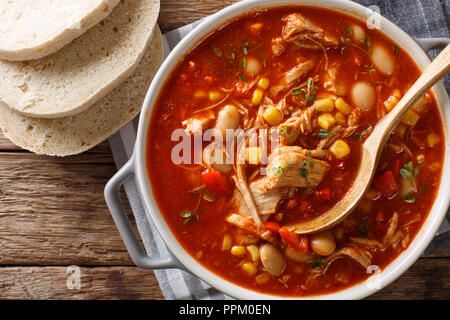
(433, 73)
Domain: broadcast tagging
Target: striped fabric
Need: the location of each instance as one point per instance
(430, 20)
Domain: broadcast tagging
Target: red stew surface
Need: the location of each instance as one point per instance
(321, 80)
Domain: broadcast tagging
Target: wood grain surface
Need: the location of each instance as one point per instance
(53, 215)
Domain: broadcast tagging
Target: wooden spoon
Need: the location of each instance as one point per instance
(373, 147)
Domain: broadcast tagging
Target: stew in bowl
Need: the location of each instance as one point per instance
(260, 127)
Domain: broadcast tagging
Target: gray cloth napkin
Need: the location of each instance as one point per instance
(420, 18)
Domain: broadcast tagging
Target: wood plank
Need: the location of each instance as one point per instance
(52, 211)
(8, 146)
(175, 14)
(95, 283)
(427, 279)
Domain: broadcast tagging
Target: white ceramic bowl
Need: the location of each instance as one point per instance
(137, 165)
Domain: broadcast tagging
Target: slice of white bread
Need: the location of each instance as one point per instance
(84, 71)
(32, 29)
(78, 133)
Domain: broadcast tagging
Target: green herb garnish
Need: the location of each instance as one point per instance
(318, 263)
(217, 52)
(323, 133)
(243, 63)
(409, 198)
(409, 172)
(349, 31)
(360, 136)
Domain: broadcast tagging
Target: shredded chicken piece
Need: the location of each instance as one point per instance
(332, 82)
(300, 31)
(290, 167)
(405, 240)
(260, 123)
(292, 76)
(354, 117)
(215, 105)
(278, 46)
(391, 229)
(362, 256)
(247, 224)
(333, 135)
(242, 186)
(368, 243)
(197, 124)
(266, 200)
(396, 238)
(299, 123)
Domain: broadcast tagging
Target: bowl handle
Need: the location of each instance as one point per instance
(432, 43)
(136, 251)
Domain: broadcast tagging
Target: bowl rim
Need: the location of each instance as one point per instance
(363, 289)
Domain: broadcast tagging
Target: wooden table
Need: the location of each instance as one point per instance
(53, 215)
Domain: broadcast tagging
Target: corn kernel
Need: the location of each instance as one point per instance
(200, 94)
(226, 242)
(250, 268)
(262, 278)
(340, 118)
(257, 97)
(263, 83)
(272, 116)
(238, 251)
(420, 158)
(254, 252)
(253, 155)
(397, 93)
(215, 95)
(340, 149)
(433, 139)
(400, 129)
(324, 105)
(410, 118)
(391, 102)
(326, 121)
(342, 106)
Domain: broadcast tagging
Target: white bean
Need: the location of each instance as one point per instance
(214, 156)
(228, 118)
(272, 259)
(253, 66)
(363, 96)
(382, 60)
(297, 256)
(323, 243)
(358, 34)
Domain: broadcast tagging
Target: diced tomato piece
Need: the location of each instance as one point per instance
(396, 166)
(295, 241)
(272, 226)
(215, 181)
(386, 184)
(292, 203)
(381, 222)
(305, 205)
(324, 193)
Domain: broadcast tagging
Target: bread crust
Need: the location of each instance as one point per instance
(86, 70)
(78, 133)
(60, 37)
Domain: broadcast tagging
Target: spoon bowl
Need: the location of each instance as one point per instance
(373, 147)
